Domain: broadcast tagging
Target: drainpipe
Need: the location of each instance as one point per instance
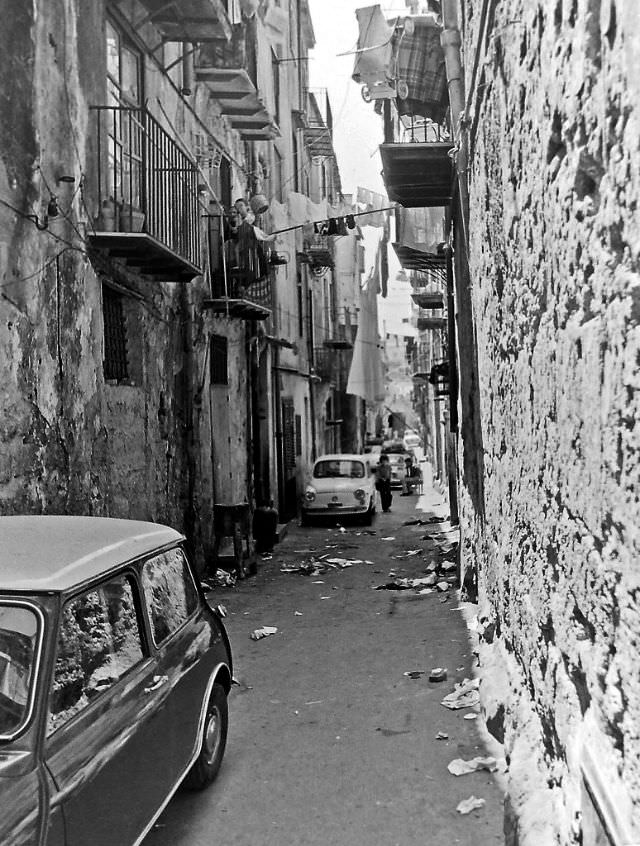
(451, 42)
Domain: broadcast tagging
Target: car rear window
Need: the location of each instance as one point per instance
(169, 592)
(99, 640)
(339, 469)
(20, 632)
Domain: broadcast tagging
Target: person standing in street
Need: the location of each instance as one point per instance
(383, 482)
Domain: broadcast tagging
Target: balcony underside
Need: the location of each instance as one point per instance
(428, 299)
(190, 20)
(432, 323)
(418, 174)
(244, 309)
(412, 259)
(147, 255)
(337, 344)
(227, 83)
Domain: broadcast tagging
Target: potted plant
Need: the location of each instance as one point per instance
(131, 218)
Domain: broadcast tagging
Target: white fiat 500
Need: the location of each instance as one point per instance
(340, 486)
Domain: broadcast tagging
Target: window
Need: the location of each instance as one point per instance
(115, 364)
(169, 592)
(98, 642)
(295, 158)
(275, 70)
(299, 290)
(339, 469)
(277, 176)
(19, 635)
(218, 350)
(125, 131)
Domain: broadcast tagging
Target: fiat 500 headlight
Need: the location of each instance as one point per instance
(310, 494)
(360, 494)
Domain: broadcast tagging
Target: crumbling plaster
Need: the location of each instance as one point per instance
(555, 261)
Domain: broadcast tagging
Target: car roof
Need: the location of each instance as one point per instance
(47, 553)
(343, 456)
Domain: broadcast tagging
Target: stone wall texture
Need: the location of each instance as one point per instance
(554, 132)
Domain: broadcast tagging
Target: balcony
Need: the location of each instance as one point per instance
(240, 281)
(427, 298)
(329, 365)
(230, 72)
(189, 20)
(418, 174)
(344, 331)
(147, 190)
(317, 253)
(433, 265)
(425, 323)
(318, 132)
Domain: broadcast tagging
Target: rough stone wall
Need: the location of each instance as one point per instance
(555, 274)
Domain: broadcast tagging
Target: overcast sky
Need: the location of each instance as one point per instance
(357, 129)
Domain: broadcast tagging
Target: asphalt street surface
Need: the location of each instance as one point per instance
(330, 742)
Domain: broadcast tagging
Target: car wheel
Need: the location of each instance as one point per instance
(213, 741)
(368, 517)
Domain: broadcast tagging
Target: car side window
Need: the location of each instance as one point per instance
(98, 642)
(169, 592)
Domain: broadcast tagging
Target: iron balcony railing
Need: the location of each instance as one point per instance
(239, 265)
(146, 182)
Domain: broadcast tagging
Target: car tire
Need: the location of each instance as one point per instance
(367, 520)
(212, 741)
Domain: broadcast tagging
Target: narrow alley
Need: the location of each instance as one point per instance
(330, 740)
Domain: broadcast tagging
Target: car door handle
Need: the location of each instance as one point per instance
(158, 681)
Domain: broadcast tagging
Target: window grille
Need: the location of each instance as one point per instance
(219, 373)
(115, 365)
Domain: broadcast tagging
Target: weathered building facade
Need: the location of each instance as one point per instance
(155, 350)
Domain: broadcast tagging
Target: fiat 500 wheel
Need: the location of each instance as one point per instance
(213, 741)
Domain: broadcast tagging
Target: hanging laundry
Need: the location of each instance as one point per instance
(421, 79)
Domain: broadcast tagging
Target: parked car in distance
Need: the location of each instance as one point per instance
(412, 440)
(397, 454)
(340, 486)
(114, 676)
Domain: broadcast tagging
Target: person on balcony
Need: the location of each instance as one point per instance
(250, 257)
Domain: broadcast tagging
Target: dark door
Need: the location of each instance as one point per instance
(289, 497)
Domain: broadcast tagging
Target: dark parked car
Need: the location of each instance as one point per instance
(114, 676)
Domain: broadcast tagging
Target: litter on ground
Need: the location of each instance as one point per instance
(464, 695)
(263, 631)
(459, 767)
(468, 805)
(438, 674)
(442, 735)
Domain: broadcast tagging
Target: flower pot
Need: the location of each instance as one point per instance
(131, 220)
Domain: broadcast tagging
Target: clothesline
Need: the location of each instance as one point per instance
(324, 220)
